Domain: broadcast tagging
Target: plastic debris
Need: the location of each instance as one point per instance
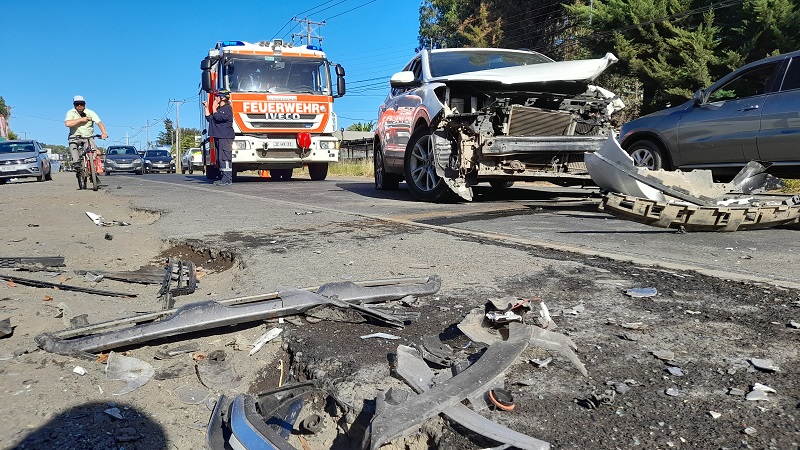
(175, 351)
(266, 337)
(714, 415)
(544, 320)
(673, 392)
(191, 395)
(641, 292)
(217, 372)
(5, 327)
(574, 311)
(735, 392)
(764, 387)
(93, 277)
(676, 371)
(99, 221)
(133, 371)
(79, 370)
(750, 431)
(541, 363)
(764, 364)
(503, 316)
(114, 412)
(664, 355)
(380, 335)
(502, 399)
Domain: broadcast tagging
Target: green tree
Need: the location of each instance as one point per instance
(166, 137)
(358, 126)
(5, 110)
(188, 138)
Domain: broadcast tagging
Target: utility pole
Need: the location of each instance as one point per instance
(310, 32)
(147, 144)
(177, 146)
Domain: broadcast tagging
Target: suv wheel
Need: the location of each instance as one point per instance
(420, 169)
(646, 154)
(383, 181)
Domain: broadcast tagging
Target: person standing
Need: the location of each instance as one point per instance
(80, 120)
(220, 127)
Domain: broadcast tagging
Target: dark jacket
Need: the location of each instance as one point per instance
(220, 124)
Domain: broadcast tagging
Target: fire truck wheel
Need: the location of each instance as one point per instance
(318, 171)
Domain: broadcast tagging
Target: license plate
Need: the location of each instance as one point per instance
(7, 169)
(281, 144)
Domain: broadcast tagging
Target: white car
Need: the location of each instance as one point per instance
(458, 117)
(192, 159)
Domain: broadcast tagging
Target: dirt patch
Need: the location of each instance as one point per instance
(209, 259)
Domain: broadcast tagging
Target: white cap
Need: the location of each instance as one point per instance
(78, 98)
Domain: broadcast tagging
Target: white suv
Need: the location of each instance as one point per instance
(192, 159)
(458, 117)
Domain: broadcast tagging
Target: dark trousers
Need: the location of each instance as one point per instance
(225, 158)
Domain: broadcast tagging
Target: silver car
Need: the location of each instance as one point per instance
(751, 114)
(458, 117)
(23, 158)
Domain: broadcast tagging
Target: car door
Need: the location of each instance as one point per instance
(722, 130)
(400, 116)
(779, 138)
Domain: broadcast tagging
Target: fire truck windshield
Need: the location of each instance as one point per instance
(256, 74)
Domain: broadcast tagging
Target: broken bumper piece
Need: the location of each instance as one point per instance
(207, 315)
(235, 423)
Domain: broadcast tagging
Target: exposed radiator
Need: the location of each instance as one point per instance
(529, 121)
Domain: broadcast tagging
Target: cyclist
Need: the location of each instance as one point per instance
(80, 121)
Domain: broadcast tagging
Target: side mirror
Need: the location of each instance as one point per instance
(205, 81)
(206, 63)
(699, 97)
(340, 85)
(403, 79)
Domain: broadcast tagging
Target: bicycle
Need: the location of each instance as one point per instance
(86, 168)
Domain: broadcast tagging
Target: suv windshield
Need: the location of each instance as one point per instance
(157, 153)
(452, 62)
(277, 74)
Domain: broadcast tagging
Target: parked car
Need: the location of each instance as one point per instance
(458, 117)
(158, 161)
(192, 159)
(23, 158)
(122, 158)
(751, 114)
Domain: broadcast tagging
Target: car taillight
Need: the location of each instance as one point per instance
(304, 140)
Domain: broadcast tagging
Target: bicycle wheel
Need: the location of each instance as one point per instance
(80, 173)
(95, 178)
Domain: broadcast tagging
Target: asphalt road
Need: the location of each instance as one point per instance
(555, 217)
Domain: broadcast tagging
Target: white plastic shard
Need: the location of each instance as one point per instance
(135, 372)
(266, 337)
(96, 218)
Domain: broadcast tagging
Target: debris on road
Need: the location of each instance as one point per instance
(764, 364)
(216, 371)
(98, 220)
(135, 372)
(380, 336)
(266, 337)
(688, 200)
(63, 287)
(210, 314)
(5, 327)
(641, 292)
(8, 262)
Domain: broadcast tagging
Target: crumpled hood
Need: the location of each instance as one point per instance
(585, 70)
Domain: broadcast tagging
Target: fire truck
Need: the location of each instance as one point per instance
(282, 98)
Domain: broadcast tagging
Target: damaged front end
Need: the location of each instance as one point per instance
(490, 131)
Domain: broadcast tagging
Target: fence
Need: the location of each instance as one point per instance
(356, 149)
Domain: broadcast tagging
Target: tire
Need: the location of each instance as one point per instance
(183, 171)
(420, 171)
(94, 177)
(191, 171)
(49, 175)
(318, 171)
(646, 154)
(81, 179)
(40, 178)
(501, 184)
(383, 181)
(140, 172)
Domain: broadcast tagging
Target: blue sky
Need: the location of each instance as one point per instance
(130, 58)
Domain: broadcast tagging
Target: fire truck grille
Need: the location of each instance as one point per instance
(296, 125)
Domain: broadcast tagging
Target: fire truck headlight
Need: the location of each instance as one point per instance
(240, 145)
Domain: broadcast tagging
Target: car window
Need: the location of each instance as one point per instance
(130, 151)
(792, 78)
(414, 66)
(755, 81)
